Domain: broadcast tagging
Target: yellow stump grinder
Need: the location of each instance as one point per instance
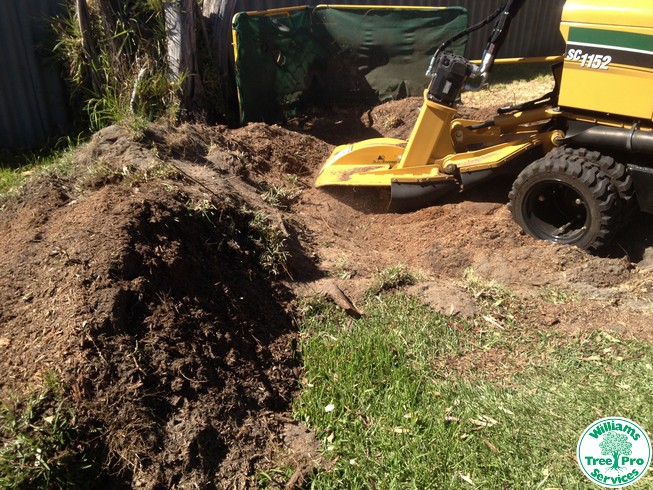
(583, 153)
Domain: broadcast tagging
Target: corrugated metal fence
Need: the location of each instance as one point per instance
(33, 105)
(535, 31)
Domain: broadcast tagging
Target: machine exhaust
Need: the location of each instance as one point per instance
(631, 140)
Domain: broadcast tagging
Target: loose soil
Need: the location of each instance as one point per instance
(141, 281)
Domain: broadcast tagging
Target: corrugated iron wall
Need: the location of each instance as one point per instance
(33, 105)
(535, 31)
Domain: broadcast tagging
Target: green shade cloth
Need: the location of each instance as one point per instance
(336, 54)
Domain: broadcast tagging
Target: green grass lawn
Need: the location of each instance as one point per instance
(409, 398)
(17, 167)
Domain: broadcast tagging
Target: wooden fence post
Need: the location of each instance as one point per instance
(181, 17)
(88, 47)
(218, 15)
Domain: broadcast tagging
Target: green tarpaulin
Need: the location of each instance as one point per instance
(333, 54)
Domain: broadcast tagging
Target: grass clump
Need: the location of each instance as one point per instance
(392, 278)
(202, 206)
(343, 269)
(281, 196)
(274, 478)
(500, 305)
(39, 447)
(11, 180)
(17, 168)
(406, 397)
(557, 296)
(112, 52)
(270, 243)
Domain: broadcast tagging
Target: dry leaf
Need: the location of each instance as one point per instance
(492, 447)
(591, 358)
(483, 422)
(466, 478)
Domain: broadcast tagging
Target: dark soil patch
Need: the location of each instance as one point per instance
(156, 314)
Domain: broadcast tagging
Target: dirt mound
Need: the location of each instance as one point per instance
(148, 298)
(158, 280)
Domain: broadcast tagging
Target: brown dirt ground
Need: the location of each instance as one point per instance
(141, 287)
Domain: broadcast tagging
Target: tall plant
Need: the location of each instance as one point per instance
(115, 52)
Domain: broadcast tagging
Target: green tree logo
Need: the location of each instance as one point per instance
(616, 444)
(614, 452)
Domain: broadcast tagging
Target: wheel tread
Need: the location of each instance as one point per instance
(618, 174)
(580, 166)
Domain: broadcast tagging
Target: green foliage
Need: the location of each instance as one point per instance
(11, 180)
(16, 168)
(393, 278)
(269, 241)
(557, 296)
(123, 78)
(406, 397)
(495, 299)
(274, 478)
(280, 196)
(69, 47)
(39, 443)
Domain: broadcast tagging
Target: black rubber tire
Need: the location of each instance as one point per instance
(619, 177)
(565, 198)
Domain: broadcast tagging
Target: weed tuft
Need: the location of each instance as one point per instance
(393, 278)
(203, 206)
(280, 196)
(494, 298)
(270, 243)
(557, 296)
(40, 445)
(112, 65)
(274, 478)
